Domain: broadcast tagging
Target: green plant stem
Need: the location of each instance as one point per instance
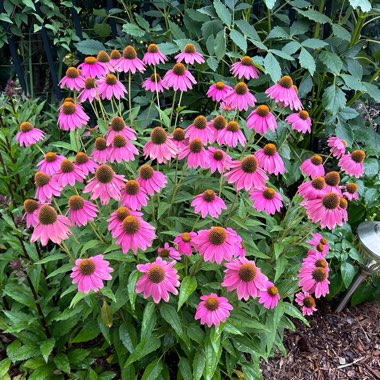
(157, 93)
(130, 97)
(358, 28)
(318, 25)
(177, 113)
(232, 207)
(171, 112)
(67, 250)
(92, 225)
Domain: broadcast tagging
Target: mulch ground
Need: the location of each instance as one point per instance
(335, 346)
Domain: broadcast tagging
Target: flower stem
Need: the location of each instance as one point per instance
(130, 97)
(67, 250)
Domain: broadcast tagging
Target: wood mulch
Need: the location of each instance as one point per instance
(335, 346)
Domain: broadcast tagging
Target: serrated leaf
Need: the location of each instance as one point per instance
(133, 30)
(188, 286)
(89, 47)
(334, 99)
(223, 12)
(62, 362)
(331, 61)
(239, 40)
(341, 32)
(220, 45)
(352, 82)
(247, 29)
(373, 91)
(153, 370)
(278, 32)
(272, 67)
(307, 61)
(168, 48)
(291, 47)
(314, 43)
(314, 16)
(46, 348)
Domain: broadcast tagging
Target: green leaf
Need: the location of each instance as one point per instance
(185, 369)
(247, 29)
(348, 273)
(162, 208)
(294, 312)
(270, 3)
(307, 61)
(371, 167)
(131, 287)
(63, 269)
(55, 257)
(373, 91)
(168, 48)
(169, 313)
(106, 314)
(291, 47)
(102, 30)
(89, 47)
(127, 337)
(365, 5)
(4, 367)
(333, 99)
(272, 67)
(78, 297)
(278, 32)
(223, 12)
(331, 61)
(341, 32)
(188, 286)
(280, 266)
(88, 332)
(142, 22)
(149, 321)
(212, 63)
(164, 117)
(153, 370)
(212, 360)
(314, 16)
(62, 362)
(46, 348)
(352, 82)
(108, 293)
(133, 30)
(29, 3)
(314, 43)
(239, 40)
(17, 352)
(144, 348)
(220, 45)
(199, 363)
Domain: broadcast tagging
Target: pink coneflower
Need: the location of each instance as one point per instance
(130, 62)
(270, 296)
(105, 185)
(90, 273)
(134, 233)
(200, 129)
(81, 211)
(245, 277)
(343, 204)
(101, 151)
(218, 91)
(319, 243)
(185, 243)
(31, 208)
(219, 160)
(247, 174)
(245, 68)
(160, 147)
(134, 196)
(51, 163)
(46, 187)
(85, 164)
(196, 154)
(154, 83)
(28, 134)
(314, 259)
(313, 189)
(217, 244)
(332, 180)
(231, 135)
(307, 302)
(208, 203)
(169, 252)
(71, 115)
(179, 78)
(189, 55)
(152, 181)
(218, 124)
(337, 146)
(213, 309)
(118, 127)
(284, 92)
(115, 58)
(267, 199)
(325, 210)
(154, 56)
(240, 97)
(72, 80)
(121, 150)
(91, 67)
(313, 166)
(160, 278)
(314, 279)
(117, 217)
(51, 226)
(261, 119)
(69, 174)
(351, 191)
(300, 121)
(110, 86)
(178, 139)
(352, 163)
(89, 91)
(270, 160)
(105, 59)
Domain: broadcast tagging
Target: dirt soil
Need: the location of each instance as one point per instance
(335, 346)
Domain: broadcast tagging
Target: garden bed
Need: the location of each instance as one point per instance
(336, 346)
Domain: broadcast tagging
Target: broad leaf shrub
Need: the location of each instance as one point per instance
(174, 249)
